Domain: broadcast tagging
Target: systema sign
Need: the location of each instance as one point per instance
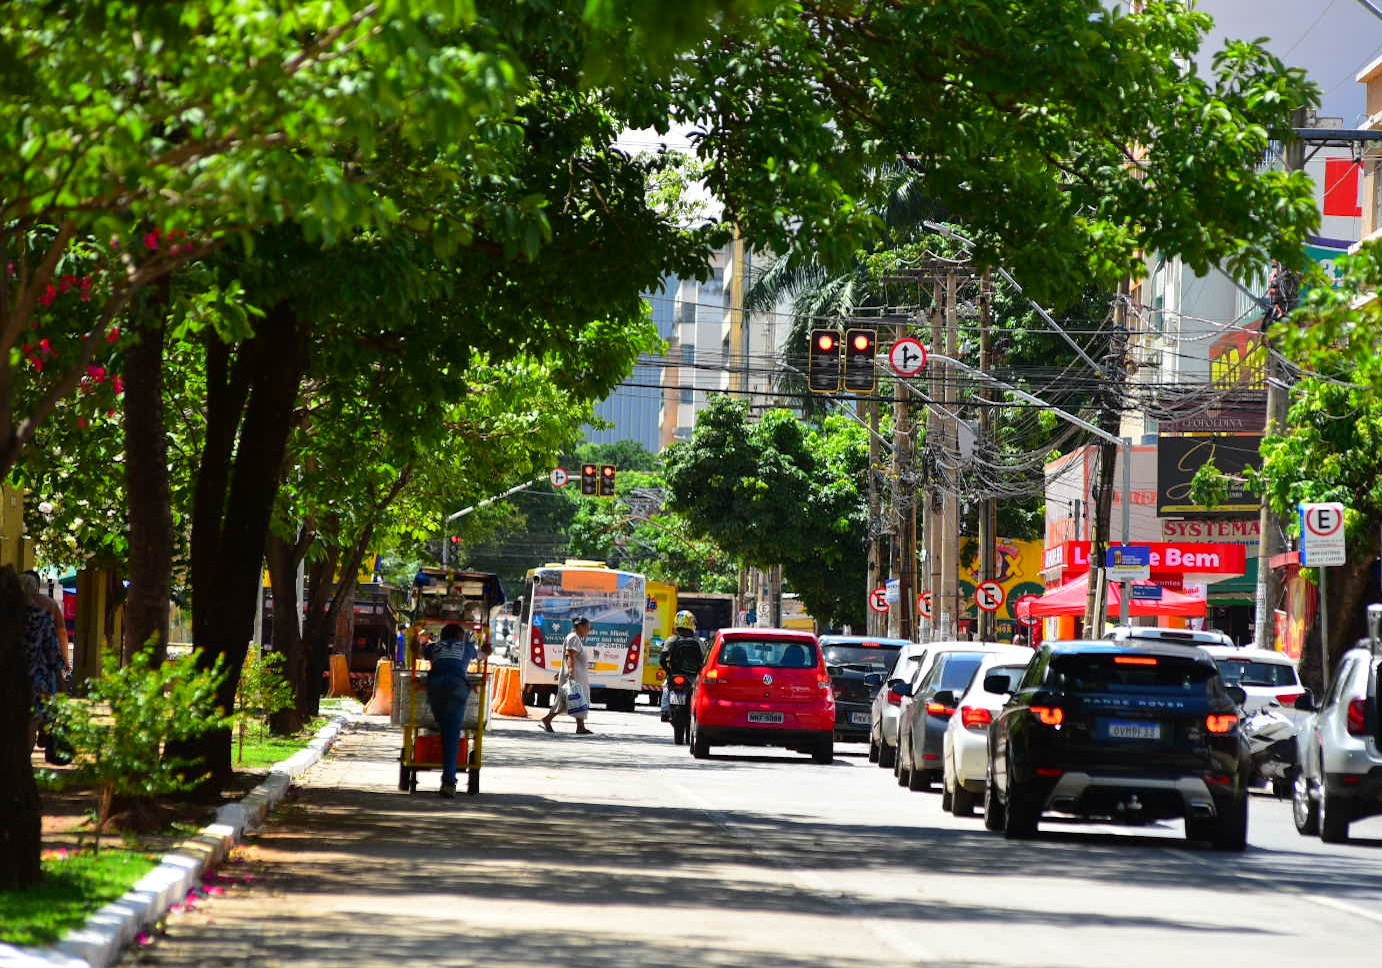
(1177, 460)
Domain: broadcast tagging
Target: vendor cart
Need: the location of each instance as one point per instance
(442, 597)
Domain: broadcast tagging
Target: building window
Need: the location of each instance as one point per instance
(688, 395)
(688, 354)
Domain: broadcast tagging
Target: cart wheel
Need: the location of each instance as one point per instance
(403, 778)
(472, 782)
(412, 781)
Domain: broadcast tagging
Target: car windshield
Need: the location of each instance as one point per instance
(773, 653)
(870, 658)
(1112, 672)
(1249, 672)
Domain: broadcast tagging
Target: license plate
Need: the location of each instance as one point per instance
(765, 717)
(859, 719)
(677, 699)
(1123, 729)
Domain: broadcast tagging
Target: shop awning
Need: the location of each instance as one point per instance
(1070, 599)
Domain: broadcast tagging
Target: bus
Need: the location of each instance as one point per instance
(614, 601)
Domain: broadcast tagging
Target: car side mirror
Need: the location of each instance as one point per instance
(997, 683)
(1237, 694)
(946, 697)
(1305, 702)
(899, 687)
(873, 679)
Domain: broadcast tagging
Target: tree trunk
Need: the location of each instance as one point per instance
(146, 487)
(248, 420)
(284, 558)
(20, 813)
(319, 623)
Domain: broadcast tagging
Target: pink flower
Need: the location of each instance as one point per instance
(49, 294)
(118, 384)
(46, 346)
(81, 422)
(151, 239)
(215, 891)
(113, 335)
(97, 373)
(36, 363)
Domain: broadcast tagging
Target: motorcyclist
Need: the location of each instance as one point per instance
(681, 655)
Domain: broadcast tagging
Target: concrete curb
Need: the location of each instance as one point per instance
(100, 942)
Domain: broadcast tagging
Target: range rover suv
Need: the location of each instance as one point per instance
(1129, 732)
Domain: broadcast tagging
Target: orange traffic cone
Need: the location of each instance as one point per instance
(381, 703)
(513, 699)
(499, 687)
(340, 676)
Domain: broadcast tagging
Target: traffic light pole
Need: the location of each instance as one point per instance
(446, 545)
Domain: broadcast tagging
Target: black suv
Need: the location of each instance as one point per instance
(1125, 731)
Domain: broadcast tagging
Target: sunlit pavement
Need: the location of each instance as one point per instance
(620, 849)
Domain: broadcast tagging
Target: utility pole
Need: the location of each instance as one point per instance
(988, 510)
(950, 503)
(1269, 524)
(1096, 608)
(904, 504)
(935, 526)
(868, 409)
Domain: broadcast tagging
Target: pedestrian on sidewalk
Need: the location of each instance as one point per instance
(574, 670)
(47, 664)
(448, 689)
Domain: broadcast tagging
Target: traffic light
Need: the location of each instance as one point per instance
(859, 373)
(823, 362)
(588, 473)
(607, 480)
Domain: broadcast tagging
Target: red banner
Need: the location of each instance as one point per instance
(1167, 558)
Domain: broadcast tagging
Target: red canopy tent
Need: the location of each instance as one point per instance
(1070, 599)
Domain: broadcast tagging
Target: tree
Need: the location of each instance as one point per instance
(780, 492)
(1332, 448)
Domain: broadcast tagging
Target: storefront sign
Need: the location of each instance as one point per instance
(1177, 460)
(1176, 558)
(1244, 529)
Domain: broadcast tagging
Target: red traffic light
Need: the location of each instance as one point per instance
(861, 342)
(455, 539)
(825, 342)
(607, 470)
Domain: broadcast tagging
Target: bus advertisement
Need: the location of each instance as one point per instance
(613, 601)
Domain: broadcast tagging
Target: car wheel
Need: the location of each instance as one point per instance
(993, 810)
(824, 751)
(1281, 789)
(1334, 818)
(1305, 811)
(700, 746)
(1230, 830)
(918, 780)
(1020, 814)
(887, 755)
(945, 795)
(962, 802)
(873, 751)
(904, 765)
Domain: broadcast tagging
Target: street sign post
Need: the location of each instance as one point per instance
(1321, 546)
(1146, 593)
(1030, 620)
(989, 596)
(1128, 562)
(878, 599)
(924, 607)
(559, 477)
(907, 357)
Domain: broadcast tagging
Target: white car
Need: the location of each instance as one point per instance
(1263, 675)
(887, 704)
(1151, 633)
(965, 749)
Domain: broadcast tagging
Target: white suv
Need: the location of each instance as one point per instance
(1263, 675)
(1137, 633)
(1340, 777)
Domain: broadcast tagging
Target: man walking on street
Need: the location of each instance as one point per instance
(448, 689)
(574, 669)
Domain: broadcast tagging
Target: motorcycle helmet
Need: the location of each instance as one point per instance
(685, 620)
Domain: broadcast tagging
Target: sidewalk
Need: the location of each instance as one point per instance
(578, 852)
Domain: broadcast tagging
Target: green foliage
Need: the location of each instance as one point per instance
(780, 492)
(119, 729)
(263, 690)
(1210, 486)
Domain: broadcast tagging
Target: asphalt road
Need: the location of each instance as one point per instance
(620, 849)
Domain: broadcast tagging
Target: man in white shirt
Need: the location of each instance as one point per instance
(574, 669)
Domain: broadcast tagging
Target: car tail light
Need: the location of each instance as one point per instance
(1289, 698)
(1048, 715)
(825, 683)
(939, 709)
(712, 675)
(1221, 722)
(1218, 779)
(1142, 660)
(893, 698)
(678, 680)
(631, 656)
(975, 717)
(1357, 716)
(539, 647)
(1050, 772)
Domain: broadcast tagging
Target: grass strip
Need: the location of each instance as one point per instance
(75, 883)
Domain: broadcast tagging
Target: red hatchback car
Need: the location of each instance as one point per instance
(764, 687)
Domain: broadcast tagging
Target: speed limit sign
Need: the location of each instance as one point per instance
(989, 596)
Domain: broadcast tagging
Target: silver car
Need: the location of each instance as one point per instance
(1340, 779)
(887, 704)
